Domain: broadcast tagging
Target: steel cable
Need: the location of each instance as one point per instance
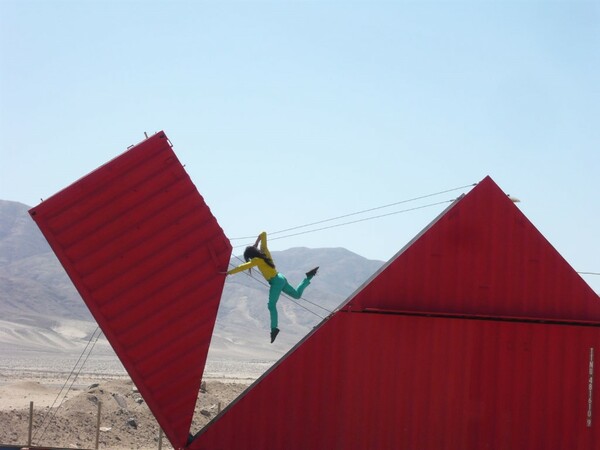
(359, 212)
(46, 416)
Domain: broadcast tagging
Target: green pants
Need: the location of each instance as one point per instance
(279, 283)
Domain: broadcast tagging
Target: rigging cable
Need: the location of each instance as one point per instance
(350, 222)
(361, 212)
(89, 352)
(363, 220)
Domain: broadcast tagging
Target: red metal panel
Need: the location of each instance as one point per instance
(393, 381)
(144, 251)
(482, 257)
(448, 366)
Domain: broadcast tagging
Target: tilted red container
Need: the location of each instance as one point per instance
(477, 335)
(144, 251)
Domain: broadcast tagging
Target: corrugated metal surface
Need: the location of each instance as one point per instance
(144, 251)
(482, 257)
(390, 381)
(440, 365)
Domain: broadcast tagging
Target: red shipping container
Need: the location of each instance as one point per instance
(477, 335)
(395, 381)
(481, 257)
(144, 251)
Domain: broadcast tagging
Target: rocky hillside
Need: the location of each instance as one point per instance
(126, 421)
(40, 310)
(33, 284)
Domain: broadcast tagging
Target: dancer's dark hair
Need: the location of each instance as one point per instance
(254, 252)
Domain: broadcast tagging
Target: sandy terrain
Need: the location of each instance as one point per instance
(33, 372)
(126, 422)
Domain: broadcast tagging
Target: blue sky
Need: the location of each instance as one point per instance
(286, 113)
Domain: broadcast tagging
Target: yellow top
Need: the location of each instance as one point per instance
(267, 271)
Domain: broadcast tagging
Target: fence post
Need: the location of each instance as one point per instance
(160, 435)
(98, 425)
(30, 423)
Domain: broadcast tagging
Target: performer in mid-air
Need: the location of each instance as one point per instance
(260, 257)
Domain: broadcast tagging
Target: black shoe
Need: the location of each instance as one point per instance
(312, 273)
(274, 333)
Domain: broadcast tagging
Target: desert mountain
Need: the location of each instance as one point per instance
(41, 312)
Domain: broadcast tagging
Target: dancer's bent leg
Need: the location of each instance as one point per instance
(296, 293)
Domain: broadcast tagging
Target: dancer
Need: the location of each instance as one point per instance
(260, 257)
